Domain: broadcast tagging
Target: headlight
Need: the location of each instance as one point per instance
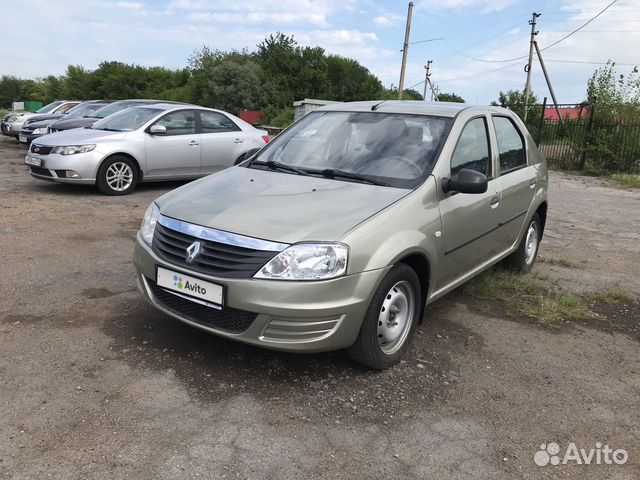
(307, 261)
(73, 149)
(149, 223)
(12, 118)
(40, 131)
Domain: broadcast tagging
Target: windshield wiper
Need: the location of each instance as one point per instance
(333, 173)
(273, 165)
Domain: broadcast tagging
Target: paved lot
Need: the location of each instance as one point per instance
(95, 384)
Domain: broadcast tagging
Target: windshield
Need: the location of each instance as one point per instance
(127, 120)
(394, 149)
(115, 107)
(83, 109)
(49, 107)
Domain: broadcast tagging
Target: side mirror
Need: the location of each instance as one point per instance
(158, 130)
(465, 181)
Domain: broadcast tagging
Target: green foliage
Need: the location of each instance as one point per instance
(612, 143)
(450, 97)
(514, 100)
(391, 93)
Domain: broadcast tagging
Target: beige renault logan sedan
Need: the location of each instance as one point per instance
(339, 232)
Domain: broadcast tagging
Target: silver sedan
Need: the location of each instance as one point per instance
(144, 144)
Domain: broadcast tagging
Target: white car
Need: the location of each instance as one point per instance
(12, 122)
(145, 143)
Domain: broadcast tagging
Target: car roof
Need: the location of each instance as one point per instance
(416, 107)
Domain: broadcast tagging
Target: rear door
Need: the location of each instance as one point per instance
(516, 177)
(177, 153)
(470, 221)
(222, 141)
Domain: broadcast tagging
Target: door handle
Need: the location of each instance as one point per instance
(194, 142)
(495, 201)
(532, 183)
(238, 140)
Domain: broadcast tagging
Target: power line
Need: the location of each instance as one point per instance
(479, 74)
(593, 63)
(580, 27)
(542, 49)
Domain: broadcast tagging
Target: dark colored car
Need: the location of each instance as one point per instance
(37, 125)
(88, 120)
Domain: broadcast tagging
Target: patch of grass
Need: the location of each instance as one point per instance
(612, 294)
(627, 179)
(529, 297)
(560, 262)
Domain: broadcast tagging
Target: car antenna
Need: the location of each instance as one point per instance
(375, 107)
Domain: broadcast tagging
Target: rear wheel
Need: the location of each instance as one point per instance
(390, 320)
(117, 175)
(524, 257)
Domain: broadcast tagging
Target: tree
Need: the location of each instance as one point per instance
(514, 100)
(450, 97)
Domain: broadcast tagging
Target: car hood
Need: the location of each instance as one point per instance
(79, 136)
(40, 123)
(69, 123)
(277, 206)
(46, 116)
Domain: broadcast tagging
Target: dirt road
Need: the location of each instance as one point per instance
(95, 384)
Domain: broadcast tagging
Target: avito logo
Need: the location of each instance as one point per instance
(191, 286)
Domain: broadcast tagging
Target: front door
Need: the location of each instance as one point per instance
(177, 153)
(470, 221)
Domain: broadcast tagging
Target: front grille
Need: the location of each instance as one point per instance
(41, 149)
(40, 171)
(216, 259)
(227, 320)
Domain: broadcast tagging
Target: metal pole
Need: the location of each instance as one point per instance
(541, 126)
(405, 51)
(527, 88)
(426, 79)
(546, 77)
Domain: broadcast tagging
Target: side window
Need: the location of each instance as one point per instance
(510, 145)
(182, 122)
(66, 107)
(216, 122)
(472, 149)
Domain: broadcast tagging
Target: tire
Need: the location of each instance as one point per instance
(118, 175)
(523, 259)
(398, 293)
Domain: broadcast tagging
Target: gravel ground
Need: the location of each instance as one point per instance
(95, 384)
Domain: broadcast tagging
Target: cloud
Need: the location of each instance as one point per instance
(387, 20)
(485, 6)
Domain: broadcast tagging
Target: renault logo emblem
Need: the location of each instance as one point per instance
(193, 251)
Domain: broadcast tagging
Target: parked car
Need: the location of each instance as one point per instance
(145, 143)
(37, 125)
(91, 118)
(339, 232)
(12, 122)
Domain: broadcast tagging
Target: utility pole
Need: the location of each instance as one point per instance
(427, 82)
(405, 50)
(546, 77)
(527, 88)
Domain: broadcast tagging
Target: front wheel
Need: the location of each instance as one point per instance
(117, 175)
(524, 257)
(390, 321)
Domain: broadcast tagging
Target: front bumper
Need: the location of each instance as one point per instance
(289, 316)
(84, 164)
(5, 129)
(28, 137)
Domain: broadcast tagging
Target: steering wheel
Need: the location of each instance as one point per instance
(414, 166)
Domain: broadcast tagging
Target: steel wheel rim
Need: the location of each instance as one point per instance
(119, 176)
(396, 317)
(531, 243)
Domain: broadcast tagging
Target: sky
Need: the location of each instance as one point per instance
(42, 37)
